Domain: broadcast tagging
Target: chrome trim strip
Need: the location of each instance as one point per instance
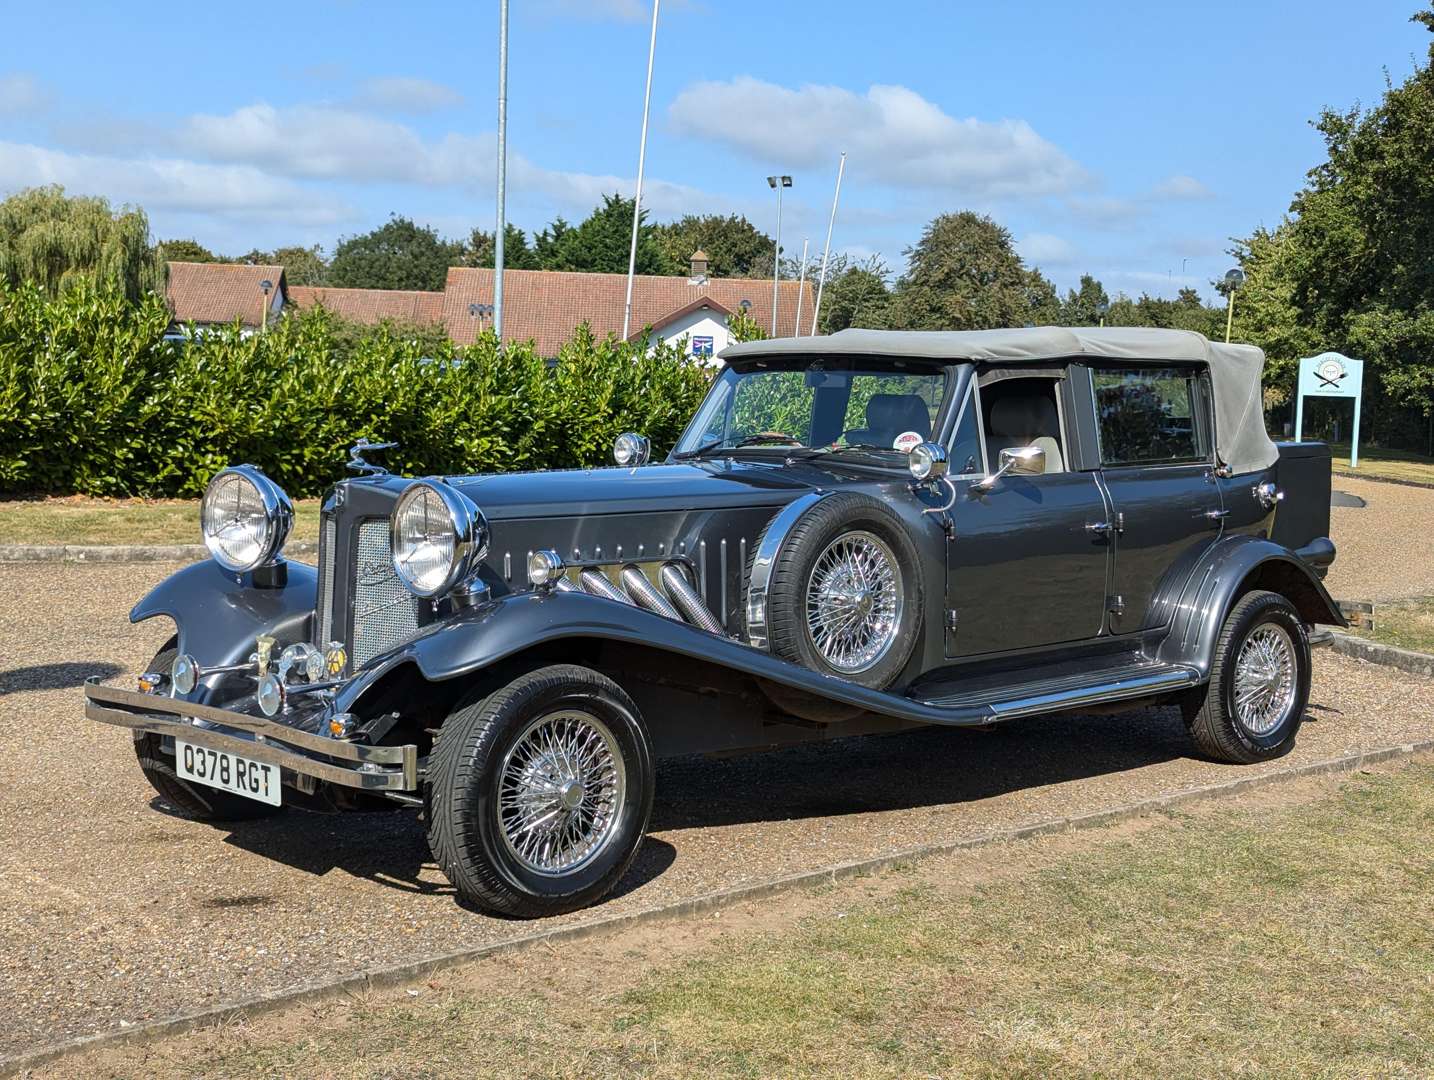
(1117, 689)
(776, 533)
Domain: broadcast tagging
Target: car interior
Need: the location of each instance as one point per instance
(890, 415)
(1023, 412)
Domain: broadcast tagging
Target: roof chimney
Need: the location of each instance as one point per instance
(699, 266)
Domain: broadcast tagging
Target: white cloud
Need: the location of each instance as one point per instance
(402, 94)
(1046, 249)
(20, 93)
(1107, 213)
(892, 134)
(169, 184)
(1180, 186)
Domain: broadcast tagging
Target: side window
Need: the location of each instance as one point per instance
(1151, 415)
(966, 443)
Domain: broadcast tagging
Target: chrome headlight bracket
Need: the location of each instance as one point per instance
(469, 538)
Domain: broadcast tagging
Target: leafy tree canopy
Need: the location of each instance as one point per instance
(600, 243)
(54, 240)
(397, 255)
(963, 274)
(855, 294)
(187, 251)
(480, 250)
(734, 246)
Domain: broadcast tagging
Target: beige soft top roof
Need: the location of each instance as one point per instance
(1240, 437)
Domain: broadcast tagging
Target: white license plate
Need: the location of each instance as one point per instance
(227, 772)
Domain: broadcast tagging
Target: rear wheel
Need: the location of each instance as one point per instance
(540, 793)
(192, 800)
(1253, 705)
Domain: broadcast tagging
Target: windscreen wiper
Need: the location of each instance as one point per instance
(818, 451)
(762, 437)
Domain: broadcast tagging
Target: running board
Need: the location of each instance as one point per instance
(1070, 691)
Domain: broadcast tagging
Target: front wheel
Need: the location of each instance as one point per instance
(540, 793)
(1253, 705)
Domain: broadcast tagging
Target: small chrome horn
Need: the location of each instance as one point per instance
(630, 449)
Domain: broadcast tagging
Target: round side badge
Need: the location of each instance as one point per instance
(906, 441)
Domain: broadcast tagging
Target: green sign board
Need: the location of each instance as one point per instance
(1331, 374)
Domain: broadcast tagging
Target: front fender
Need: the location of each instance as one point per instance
(218, 614)
(509, 625)
(1226, 572)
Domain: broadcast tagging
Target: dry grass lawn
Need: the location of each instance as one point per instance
(1376, 463)
(1408, 624)
(77, 519)
(1263, 938)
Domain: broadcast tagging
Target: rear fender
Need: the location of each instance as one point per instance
(1230, 569)
(218, 614)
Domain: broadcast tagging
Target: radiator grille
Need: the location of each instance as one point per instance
(384, 612)
(325, 627)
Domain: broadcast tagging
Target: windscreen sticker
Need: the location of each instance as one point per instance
(906, 440)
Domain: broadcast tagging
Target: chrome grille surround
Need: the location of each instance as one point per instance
(324, 628)
(384, 611)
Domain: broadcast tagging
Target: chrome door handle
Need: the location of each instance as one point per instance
(1217, 515)
(1100, 528)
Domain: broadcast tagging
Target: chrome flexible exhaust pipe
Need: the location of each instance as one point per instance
(674, 580)
(596, 583)
(644, 595)
(564, 585)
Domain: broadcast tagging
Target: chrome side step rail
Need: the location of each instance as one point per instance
(1036, 698)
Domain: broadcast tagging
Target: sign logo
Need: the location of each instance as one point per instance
(1330, 372)
(702, 347)
(374, 573)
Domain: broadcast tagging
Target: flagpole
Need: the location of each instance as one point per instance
(801, 283)
(502, 170)
(641, 161)
(826, 251)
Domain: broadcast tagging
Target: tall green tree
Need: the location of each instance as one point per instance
(855, 294)
(1086, 305)
(54, 241)
(1352, 266)
(480, 250)
(600, 242)
(734, 246)
(302, 265)
(399, 254)
(187, 251)
(963, 274)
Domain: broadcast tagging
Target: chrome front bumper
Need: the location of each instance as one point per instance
(368, 768)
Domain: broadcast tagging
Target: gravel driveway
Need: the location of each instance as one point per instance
(1386, 548)
(114, 912)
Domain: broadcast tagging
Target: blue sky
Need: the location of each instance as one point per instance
(1129, 140)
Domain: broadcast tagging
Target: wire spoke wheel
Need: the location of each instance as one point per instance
(561, 792)
(854, 601)
(1264, 679)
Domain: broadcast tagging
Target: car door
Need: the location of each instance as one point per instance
(1155, 431)
(1026, 562)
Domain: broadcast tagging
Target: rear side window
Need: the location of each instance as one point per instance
(1151, 416)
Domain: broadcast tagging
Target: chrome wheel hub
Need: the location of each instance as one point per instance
(561, 790)
(854, 602)
(1265, 679)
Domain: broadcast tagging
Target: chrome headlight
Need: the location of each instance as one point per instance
(438, 536)
(245, 518)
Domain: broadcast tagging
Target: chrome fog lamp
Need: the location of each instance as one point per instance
(301, 661)
(927, 461)
(184, 673)
(631, 449)
(438, 536)
(245, 518)
(544, 569)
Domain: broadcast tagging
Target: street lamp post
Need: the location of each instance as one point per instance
(777, 182)
(1100, 310)
(1233, 280)
(267, 286)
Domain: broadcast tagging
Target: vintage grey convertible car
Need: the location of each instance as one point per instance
(856, 533)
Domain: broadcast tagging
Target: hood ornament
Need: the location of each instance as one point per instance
(356, 461)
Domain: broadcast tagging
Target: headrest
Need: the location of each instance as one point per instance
(895, 413)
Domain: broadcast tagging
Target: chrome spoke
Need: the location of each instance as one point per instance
(560, 790)
(1265, 670)
(854, 602)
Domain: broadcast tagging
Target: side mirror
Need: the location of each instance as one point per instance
(630, 449)
(1018, 460)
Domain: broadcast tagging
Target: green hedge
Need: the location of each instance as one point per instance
(94, 401)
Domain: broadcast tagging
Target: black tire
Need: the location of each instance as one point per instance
(196, 801)
(465, 828)
(828, 520)
(1215, 724)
